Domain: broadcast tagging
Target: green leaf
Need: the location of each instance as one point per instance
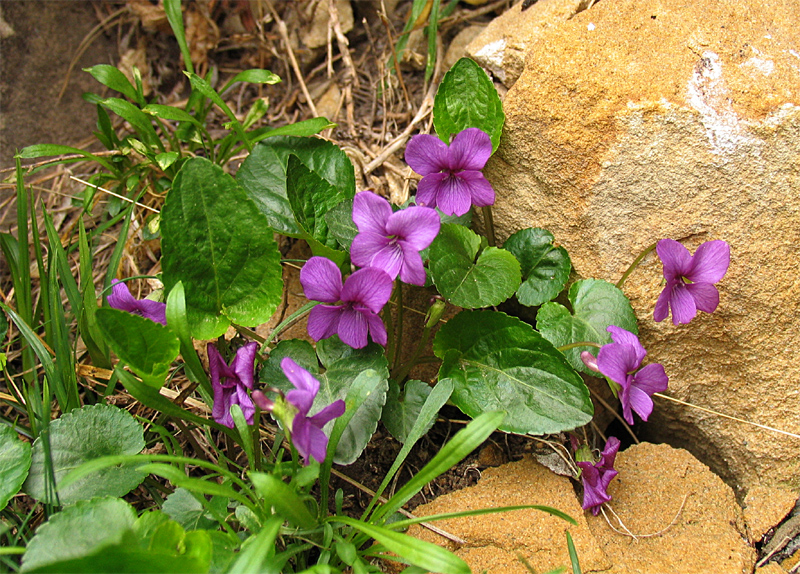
(216, 242)
(151, 544)
(15, 460)
(113, 78)
(253, 76)
(79, 530)
(341, 225)
(545, 267)
(465, 281)
(170, 113)
(422, 554)
(400, 413)
(300, 351)
(302, 128)
(499, 362)
(283, 499)
(596, 304)
(182, 507)
(146, 346)
(463, 443)
(42, 150)
(310, 198)
(467, 99)
(263, 175)
(80, 436)
(343, 367)
(173, 10)
(140, 121)
(257, 549)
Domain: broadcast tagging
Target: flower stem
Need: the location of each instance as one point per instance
(399, 339)
(400, 375)
(297, 315)
(563, 348)
(389, 321)
(635, 264)
(488, 221)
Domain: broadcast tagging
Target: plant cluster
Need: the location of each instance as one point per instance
(221, 268)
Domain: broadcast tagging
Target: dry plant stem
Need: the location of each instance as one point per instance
(85, 43)
(488, 220)
(637, 536)
(122, 197)
(723, 415)
(285, 37)
(406, 513)
(616, 415)
(344, 45)
(388, 26)
(399, 141)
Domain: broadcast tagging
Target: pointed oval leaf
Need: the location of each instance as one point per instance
(498, 362)
(545, 267)
(113, 78)
(15, 460)
(467, 98)
(79, 530)
(596, 304)
(218, 244)
(401, 412)
(79, 436)
(263, 175)
(465, 281)
(146, 346)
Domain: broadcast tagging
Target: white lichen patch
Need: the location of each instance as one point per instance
(707, 93)
(491, 57)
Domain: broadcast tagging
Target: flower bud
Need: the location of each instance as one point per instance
(262, 401)
(434, 313)
(590, 361)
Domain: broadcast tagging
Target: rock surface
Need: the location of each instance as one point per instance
(684, 517)
(766, 507)
(642, 119)
(495, 541)
(659, 490)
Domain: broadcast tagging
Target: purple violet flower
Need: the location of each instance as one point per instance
(230, 383)
(596, 477)
(307, 436)
(690, 279)
(392, 241)
(620, 361)
(452, 178)
(359, 301)
(122, 299)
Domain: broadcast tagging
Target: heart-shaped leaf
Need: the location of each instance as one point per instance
(82, 435)
(596, 304)
(263, 175)
(145, 346)
(15, 460)
(343, 365)
(465, 281)
(497, 362)
(401, 412)
(217, 243)
(467, 99)
(545, 267)
(310, 198)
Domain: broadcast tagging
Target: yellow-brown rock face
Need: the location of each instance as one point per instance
(637, 120)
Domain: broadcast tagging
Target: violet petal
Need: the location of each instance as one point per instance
(371, 212)
(244, 362)
(427, 154)
(370, 287)
(683, 306)
(615, 361)
(480, 190)
(470, 150)
(415, 226)
(429, 187)
(624, 337)
(353, 328)
(323, 321)
(705, 295)
(710, 262)
(321, 280)
(675, 258)
(453, 196)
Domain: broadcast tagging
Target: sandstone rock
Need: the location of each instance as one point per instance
(642, 119)
(316, 33)
(502, 47)
(457, 48)
(494, 541)
(764, 508)
(667, 491)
